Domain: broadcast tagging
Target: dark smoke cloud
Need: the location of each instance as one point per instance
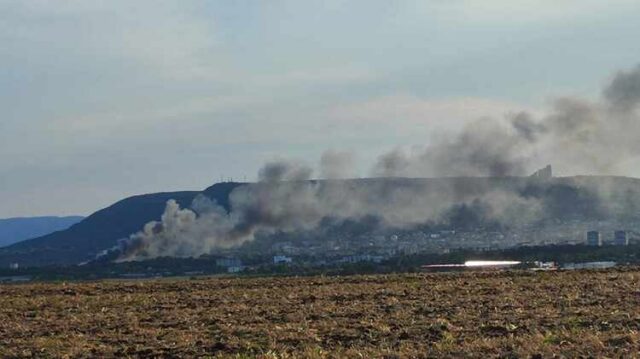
(526, 127)
(485, 147)
(624, 91)
(579, 136)
(576, 135)
(284, 171)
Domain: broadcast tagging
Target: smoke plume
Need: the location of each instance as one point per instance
(579, 136)
(337, 164)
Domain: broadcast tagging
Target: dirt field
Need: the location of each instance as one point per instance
(474, 314)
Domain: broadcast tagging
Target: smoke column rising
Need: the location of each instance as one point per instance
(577, 135)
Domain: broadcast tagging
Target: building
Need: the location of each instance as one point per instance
(282, 260)
(286, 248)
(589, 265)
(234, 269)
(228, 262)
(544, 266)
(620, 238)
(593, 239)
(362, 258)
(543, 174)
(15, 279)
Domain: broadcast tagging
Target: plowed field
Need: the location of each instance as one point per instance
(472, 314)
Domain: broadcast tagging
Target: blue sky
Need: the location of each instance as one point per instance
(106, 99)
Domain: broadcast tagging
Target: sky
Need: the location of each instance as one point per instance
(100, 100)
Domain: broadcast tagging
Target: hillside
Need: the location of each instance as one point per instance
(583, 198)
(102, 229)
(13, 230)
(97, 232)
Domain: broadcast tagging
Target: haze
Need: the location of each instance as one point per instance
(105, 99)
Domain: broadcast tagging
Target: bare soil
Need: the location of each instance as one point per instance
(473, 314)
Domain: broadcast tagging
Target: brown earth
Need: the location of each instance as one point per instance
(473, 314)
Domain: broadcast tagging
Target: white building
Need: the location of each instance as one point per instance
(282, 259)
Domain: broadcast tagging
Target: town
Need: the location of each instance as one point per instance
(311, 249)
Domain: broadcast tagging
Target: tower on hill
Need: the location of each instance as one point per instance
(543, 173)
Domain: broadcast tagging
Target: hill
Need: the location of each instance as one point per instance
(13, 230)
(97, 232)
(102, 230)
(582, 198)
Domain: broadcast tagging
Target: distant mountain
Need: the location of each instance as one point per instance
(581, 198)
(13, 230)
